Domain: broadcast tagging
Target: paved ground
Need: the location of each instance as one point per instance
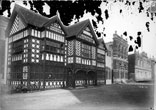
(113, 97)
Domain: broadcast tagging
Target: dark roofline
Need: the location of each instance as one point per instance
(101, 40)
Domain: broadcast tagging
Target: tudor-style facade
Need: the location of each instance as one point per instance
(85, 56)
(44, 52)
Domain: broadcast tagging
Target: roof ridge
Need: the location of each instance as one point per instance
(31, 11)
(78, 22)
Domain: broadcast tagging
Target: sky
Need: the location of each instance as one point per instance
(127, 17)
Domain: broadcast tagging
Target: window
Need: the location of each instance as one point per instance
(37, 60)
(32, 32)
(35, 33)
(58, 59)
(47, 34)
(37, 46)
(33, 50)
(25, 75)
(32, 60)
(52, 35)
(93, 62)
(37, 51)
(38, 41)
(70, 59)
(86, 51)
(54, 57)
(39, 34)
(47, 56)
(33, 45)
(26, 60)
(37, 56)
(61, 58)
(33, 55)
(33, 40)
(78, 60)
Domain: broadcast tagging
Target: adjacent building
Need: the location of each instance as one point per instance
(153, 65)
(44, 52)
(120, 59)
(109, 62)
(140, 67)
(3, 24)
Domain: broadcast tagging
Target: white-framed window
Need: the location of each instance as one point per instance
(37, 51)
(35, 33)
(52, 35)
(33, 55)
(61, 58)
(33, 40)
(25, 75)
(39, 34)
(37, 56)
(26, 60)
(38, 41)
(37, 46)
(33, 45)
(37, 60)
(25, 68)
(32, 32)
(23, 60)
(25, 40)
(47, 34)
(32, 60)
(58, 58)
(33, 50)
(54, 57)
(47, 56)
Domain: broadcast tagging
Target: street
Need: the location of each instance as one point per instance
(106, 97)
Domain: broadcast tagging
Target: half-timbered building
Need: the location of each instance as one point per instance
(44, 52)
(85, 55)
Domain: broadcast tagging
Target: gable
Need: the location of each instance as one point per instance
(17, 25)
(87, 35)
(56, 27)
(87, 32)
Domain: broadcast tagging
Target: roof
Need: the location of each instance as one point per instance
(76, 28)
(30, 17)
(102, 43)
(108, 45)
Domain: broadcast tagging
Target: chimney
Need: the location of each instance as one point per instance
(115, 31)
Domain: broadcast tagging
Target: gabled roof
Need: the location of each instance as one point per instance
(108, 44)
(55, 18)
(27, 16)
(73, 30)
(32, 18)
(76, 29)
(102, 43)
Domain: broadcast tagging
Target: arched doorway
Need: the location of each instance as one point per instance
(80, 78)
(91, 78)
